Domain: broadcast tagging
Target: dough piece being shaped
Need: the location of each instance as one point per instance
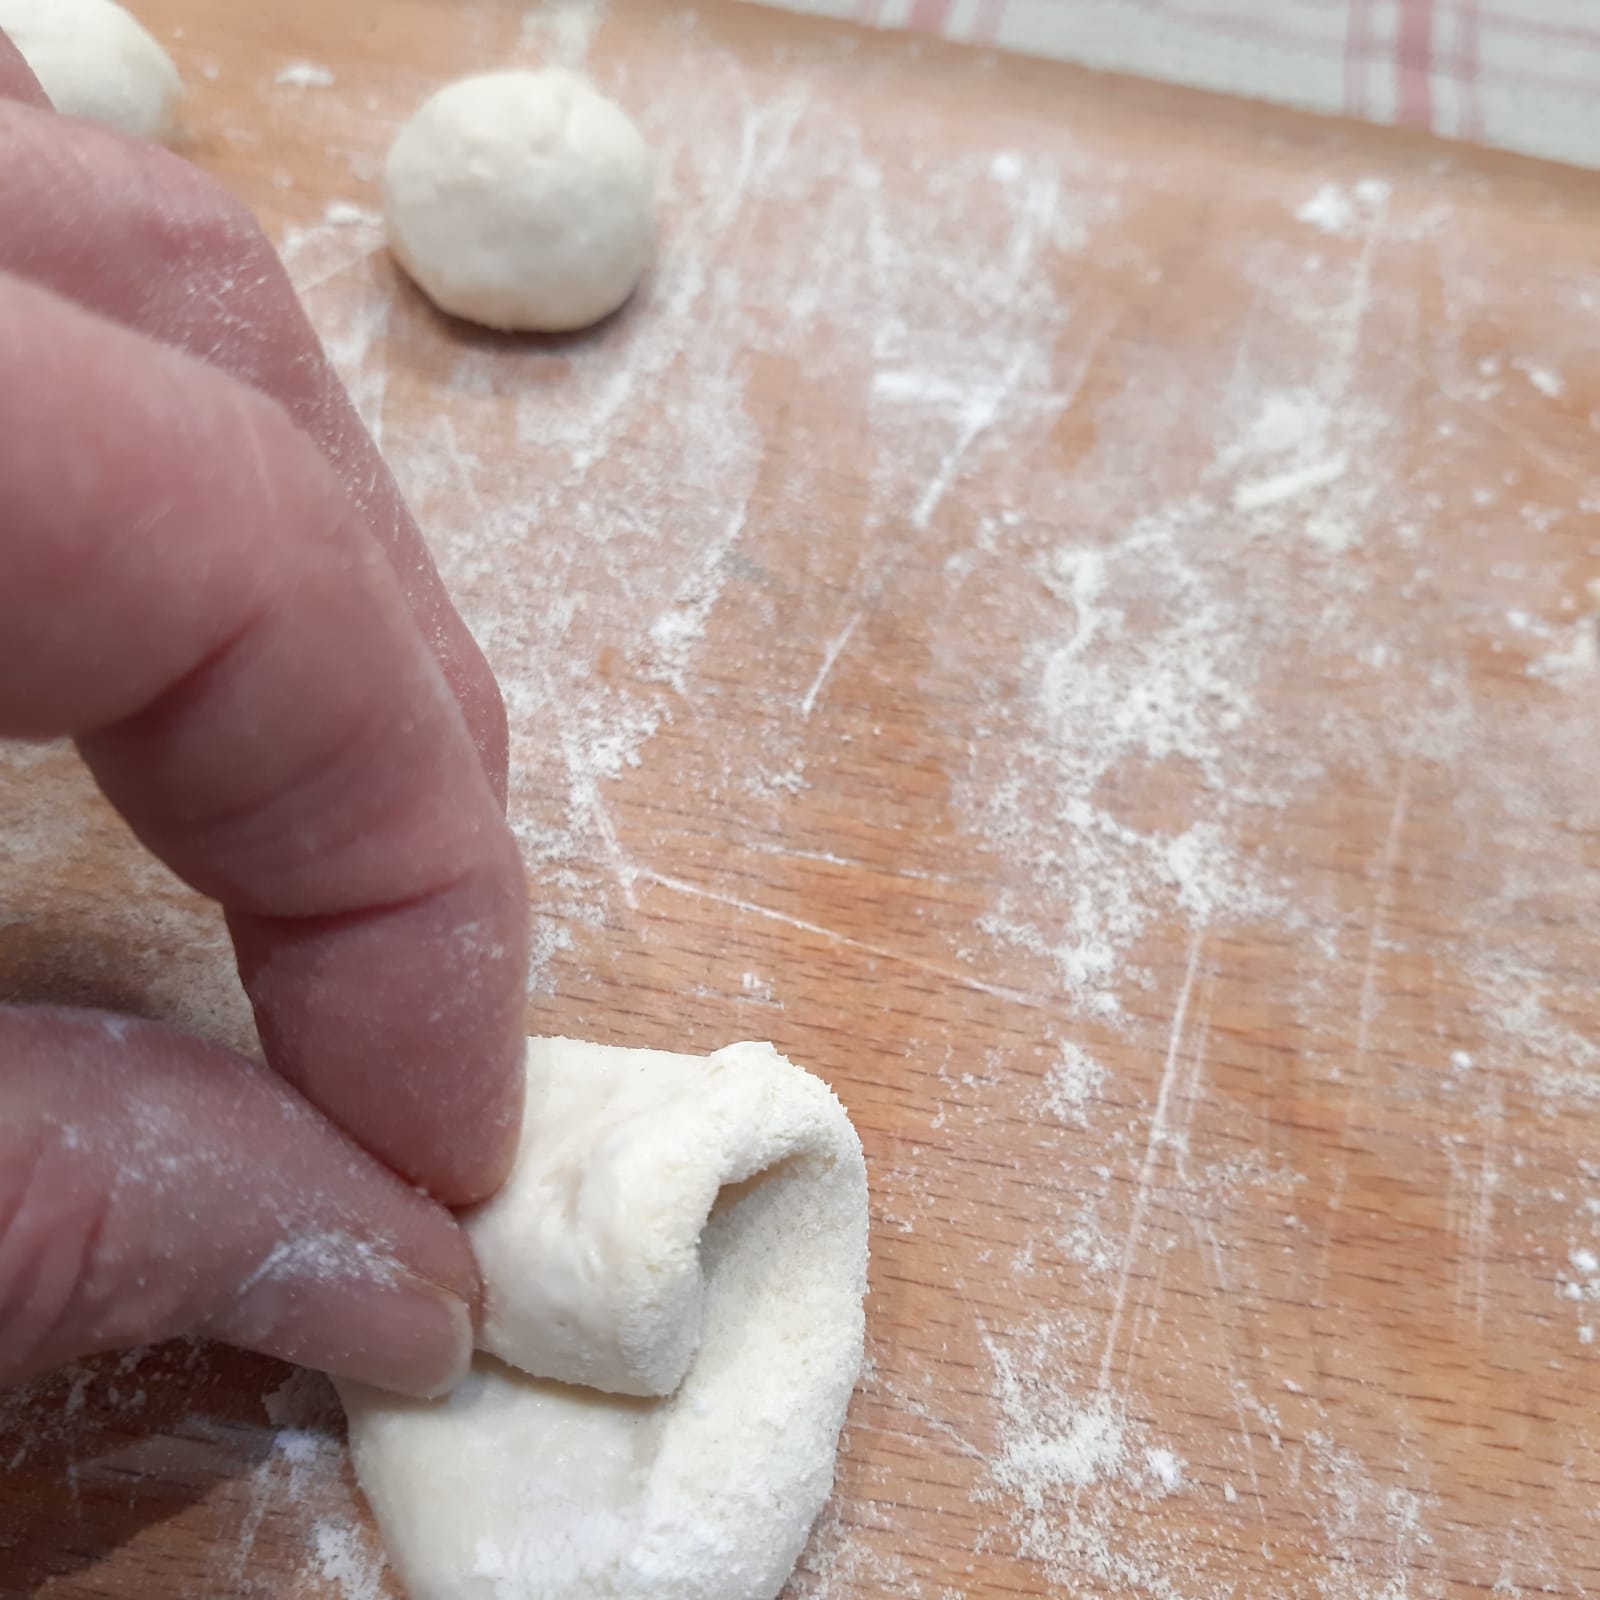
(521, 200)
(663, 1211)
(94, 60)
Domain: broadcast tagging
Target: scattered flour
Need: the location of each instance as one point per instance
(1545, 379)
(1329, 209)
(1335, 209)
(1140, 792)
(1072, 1083)
(561, 31)
(1072, 1476)
(305, 75)
(346, 214)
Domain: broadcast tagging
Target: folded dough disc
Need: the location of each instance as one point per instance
(664, 1212)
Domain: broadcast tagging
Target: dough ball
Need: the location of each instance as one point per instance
(521, 200)
(94, 60)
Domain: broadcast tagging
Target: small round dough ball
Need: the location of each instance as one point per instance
(521, 200)
(94, 60)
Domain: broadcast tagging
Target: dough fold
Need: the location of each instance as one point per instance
(689, 1234)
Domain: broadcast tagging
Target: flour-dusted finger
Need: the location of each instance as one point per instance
(189, 594)
(140, 236)
(152, 1186)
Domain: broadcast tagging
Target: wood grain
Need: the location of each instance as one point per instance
(1061, 604)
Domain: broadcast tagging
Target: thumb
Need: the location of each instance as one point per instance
(151, 1185)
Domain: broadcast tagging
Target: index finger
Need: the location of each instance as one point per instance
(190, 594)
(139, 235)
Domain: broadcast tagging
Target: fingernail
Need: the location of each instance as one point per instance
(425, 1341)
(382, 1325)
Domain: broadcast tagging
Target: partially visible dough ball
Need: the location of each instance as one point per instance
(521, 200)
(94, 60)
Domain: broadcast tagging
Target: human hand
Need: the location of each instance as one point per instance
(208, 580)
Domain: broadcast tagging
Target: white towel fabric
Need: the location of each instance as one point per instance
(1519, 75)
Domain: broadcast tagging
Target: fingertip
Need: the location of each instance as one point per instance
(478, 1175)
(407, 1025)
(386, 1326)
(470, 1163)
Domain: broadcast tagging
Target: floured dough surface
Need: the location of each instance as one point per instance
(521, 200)
(95, 60)
(692, 1231)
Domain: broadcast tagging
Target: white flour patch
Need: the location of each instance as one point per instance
(561, 31)
(1264, 492)
(1575, 661)
(1072, 1084)
(1150, 664)
(1070, 1475)
(1335, 209)
(1330, 209)
(1165, 1468)
(305, 75)
(346, 1560)
(1545, 379)
(346, 214)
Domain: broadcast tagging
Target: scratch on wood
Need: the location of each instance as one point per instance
(1382, 903)
(911, 1405)
(1357, 306)
(1154, 1140)
(980, 418)
(587, 792)
(1205, 1235)
(831, 858)
(1481, 1216)
(961, 979)
(829, 657)
(980, 415)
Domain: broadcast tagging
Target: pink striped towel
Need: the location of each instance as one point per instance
(1518, 74)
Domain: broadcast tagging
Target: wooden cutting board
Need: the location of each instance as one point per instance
(1062, 604)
